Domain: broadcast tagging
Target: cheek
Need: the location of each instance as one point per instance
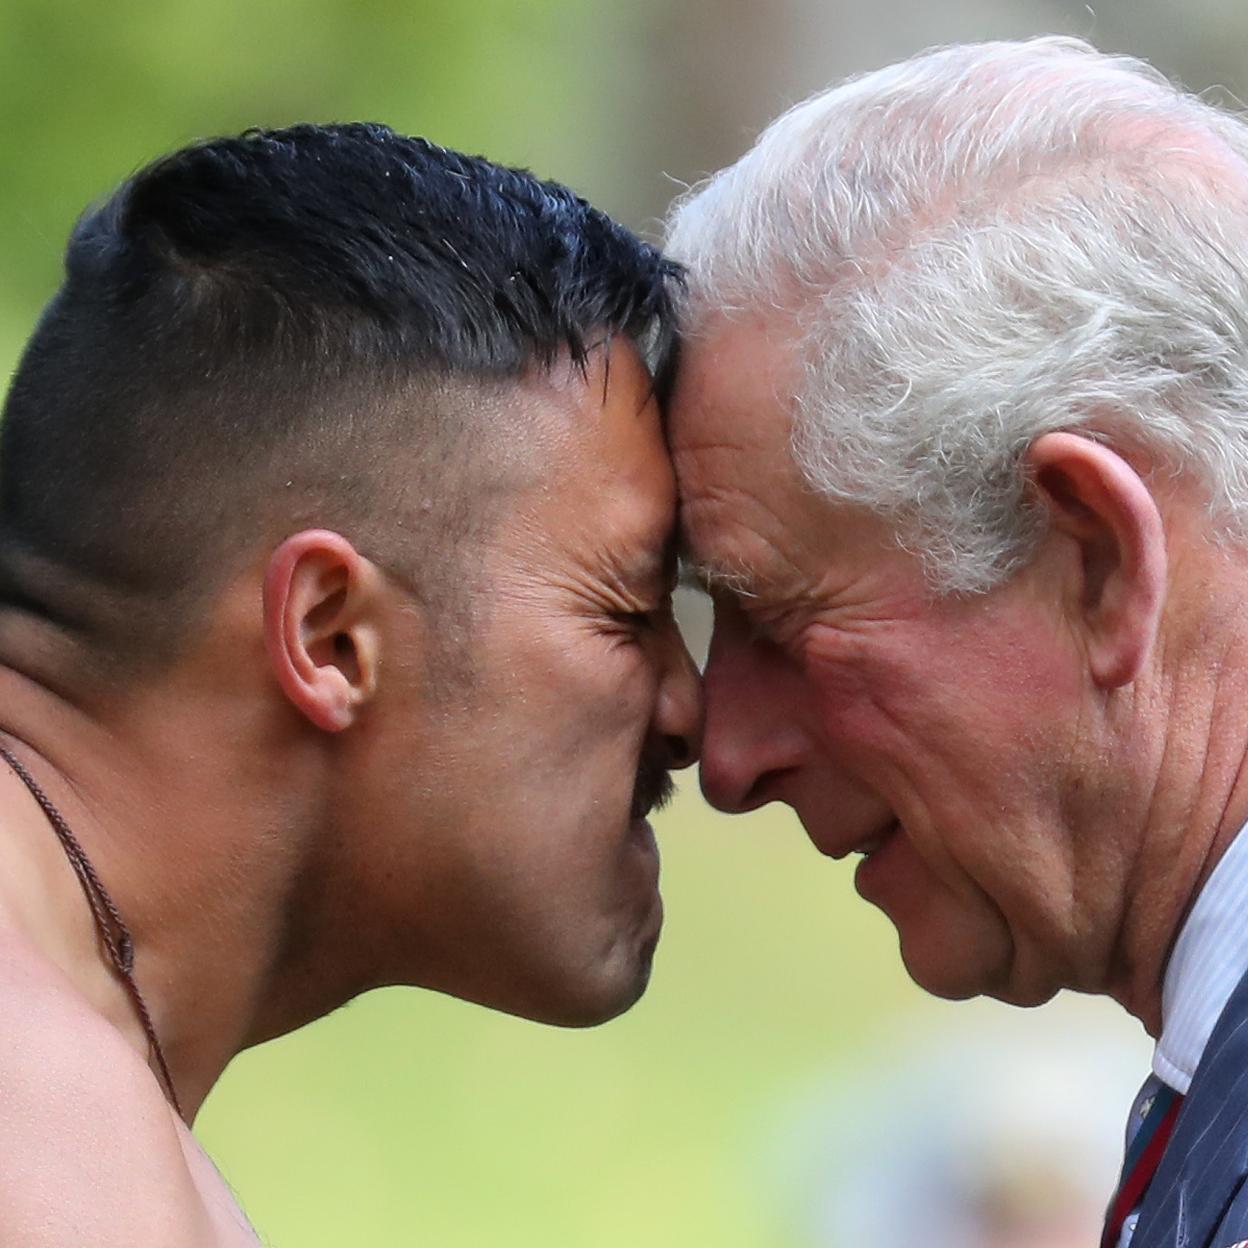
(591, 687)
(868, 700)
(972, 706)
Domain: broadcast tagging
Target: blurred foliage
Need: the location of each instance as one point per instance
(89, 92)
(408, 1118)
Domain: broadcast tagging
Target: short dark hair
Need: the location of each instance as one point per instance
(317, 291)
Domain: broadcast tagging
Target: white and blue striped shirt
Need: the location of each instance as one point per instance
(1210, 958)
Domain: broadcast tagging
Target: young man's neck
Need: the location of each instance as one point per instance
(188, 836)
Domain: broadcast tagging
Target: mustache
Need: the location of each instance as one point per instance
(654, 787)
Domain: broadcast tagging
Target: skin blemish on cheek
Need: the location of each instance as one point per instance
(834, 662)
(858, 721)
(885, 680)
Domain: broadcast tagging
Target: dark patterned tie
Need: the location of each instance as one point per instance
(1143, 1157)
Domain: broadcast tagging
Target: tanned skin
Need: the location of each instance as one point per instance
(290, 814)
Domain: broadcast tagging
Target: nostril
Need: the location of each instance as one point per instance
(758, 794)
(737, 790)
(679, 751)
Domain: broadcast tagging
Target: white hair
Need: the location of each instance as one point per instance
(980, 245)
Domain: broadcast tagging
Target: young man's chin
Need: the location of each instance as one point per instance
(592, 1004)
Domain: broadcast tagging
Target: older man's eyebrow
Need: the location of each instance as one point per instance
(713, 578)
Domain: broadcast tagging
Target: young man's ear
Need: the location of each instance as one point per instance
(320, 626)
(1096, 498)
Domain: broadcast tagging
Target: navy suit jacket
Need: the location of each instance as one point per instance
(1199, 1197)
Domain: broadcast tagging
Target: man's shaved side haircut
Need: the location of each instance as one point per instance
(292, 327)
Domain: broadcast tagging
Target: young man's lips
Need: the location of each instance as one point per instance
(642, 833)
(646, 853)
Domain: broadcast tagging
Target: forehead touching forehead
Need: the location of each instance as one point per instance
(729, 424)
(752, 526)
(599, 479)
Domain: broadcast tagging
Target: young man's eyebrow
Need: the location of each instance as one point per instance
(654, 565)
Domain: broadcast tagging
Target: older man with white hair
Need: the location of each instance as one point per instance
(961, 430)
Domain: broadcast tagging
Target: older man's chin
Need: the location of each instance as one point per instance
(957, 971)
(951, 948)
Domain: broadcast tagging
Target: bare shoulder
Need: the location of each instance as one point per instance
(92, 1152)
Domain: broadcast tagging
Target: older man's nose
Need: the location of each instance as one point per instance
(749, 741)
(726, 775)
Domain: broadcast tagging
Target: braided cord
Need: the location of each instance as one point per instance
(114, 934)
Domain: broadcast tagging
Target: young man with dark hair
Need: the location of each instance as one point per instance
(335, 639)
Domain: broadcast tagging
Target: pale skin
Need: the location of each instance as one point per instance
(284, 817)
(1040, 778)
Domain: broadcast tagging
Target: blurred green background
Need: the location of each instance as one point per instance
(411, 1119)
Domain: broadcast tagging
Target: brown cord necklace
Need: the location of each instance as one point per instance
(108, 921)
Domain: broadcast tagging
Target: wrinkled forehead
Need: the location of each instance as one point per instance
(751, 526)
(729, 419)
(600, 488)
(736, 386)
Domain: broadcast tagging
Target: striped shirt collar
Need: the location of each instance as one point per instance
(1209, 959)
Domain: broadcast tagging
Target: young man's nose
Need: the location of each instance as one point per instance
(678, 718)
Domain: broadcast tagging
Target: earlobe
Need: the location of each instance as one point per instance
(320, 628)
(1095, 498)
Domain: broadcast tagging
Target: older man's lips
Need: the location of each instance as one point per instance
(867, 846)
(872, 874)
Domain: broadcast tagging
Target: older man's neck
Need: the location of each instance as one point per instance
(1198, 806)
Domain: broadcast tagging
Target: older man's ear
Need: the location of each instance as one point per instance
(1118, 553)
